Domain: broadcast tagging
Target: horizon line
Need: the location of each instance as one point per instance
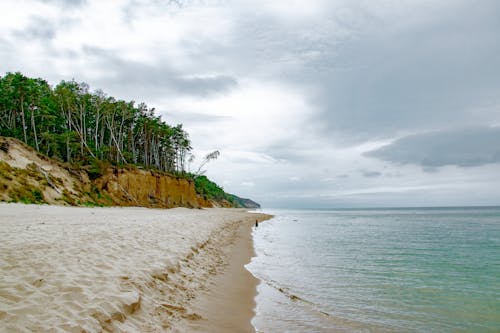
(385, 207)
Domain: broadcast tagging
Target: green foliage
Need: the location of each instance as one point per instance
(27, 195)
(211, 191)
(37, 195)
(5, 170)
(97, 168)
(236, 201)
(73, 124)
(68, 198)
(15, 183)
(92, 131)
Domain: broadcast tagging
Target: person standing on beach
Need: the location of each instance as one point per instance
(256, 223)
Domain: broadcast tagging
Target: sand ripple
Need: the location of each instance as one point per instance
(67, 269)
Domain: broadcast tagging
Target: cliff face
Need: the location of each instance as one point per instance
(149, 189)
(27, 176)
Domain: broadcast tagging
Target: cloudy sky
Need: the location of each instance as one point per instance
(326, 103)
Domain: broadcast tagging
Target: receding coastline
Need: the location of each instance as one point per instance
(125, 269)
(229, 304)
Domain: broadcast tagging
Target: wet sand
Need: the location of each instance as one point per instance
(125, 269)
(228, 305)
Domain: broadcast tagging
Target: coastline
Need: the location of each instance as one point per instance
(229, 303)
(125, 269)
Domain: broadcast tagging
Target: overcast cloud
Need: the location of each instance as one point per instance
(312, 103)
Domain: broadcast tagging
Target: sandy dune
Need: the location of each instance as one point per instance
(66, 269)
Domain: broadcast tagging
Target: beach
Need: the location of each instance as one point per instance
(74, 269)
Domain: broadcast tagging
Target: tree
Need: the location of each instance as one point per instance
(76, 125)
(209, 157)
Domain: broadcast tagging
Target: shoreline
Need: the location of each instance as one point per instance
(229, 303)
(126, 269)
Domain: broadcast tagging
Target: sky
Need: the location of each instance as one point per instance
(316, 104)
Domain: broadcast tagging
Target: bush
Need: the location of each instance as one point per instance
(97, 168)
(33, 196)
(211, 191)
(37, 195)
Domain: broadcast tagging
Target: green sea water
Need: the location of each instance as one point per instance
(381, 270)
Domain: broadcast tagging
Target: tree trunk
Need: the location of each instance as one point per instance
(23, 120)
(33, 126)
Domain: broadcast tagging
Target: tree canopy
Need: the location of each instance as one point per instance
(73, 124)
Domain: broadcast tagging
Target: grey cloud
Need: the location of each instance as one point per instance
(308, 184)
(374, 75)
(38, 28)
(291, 151)
(380, 75)
(366, 72)
(427, 75)
(395, 174)
(465, 147)
(371, 174)
(377, 77)
(192, 117)
(429, 169)
(204, 85)
(66, 3)
(135, 77)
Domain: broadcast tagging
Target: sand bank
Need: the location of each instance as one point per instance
(124, 269)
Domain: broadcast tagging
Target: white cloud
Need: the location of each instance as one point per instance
(252, 116)
(291, 10)
(293, 93)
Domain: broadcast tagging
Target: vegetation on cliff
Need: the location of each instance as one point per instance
(72, 124)
(93, 132)
(211, 191)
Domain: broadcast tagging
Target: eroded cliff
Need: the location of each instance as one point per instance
(30, 177)
(135, 187)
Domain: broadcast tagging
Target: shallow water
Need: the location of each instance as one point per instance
(401, 270)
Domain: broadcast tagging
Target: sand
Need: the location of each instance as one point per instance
(67, 269)
(229, 302)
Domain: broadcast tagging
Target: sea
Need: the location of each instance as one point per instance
(378, 270)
